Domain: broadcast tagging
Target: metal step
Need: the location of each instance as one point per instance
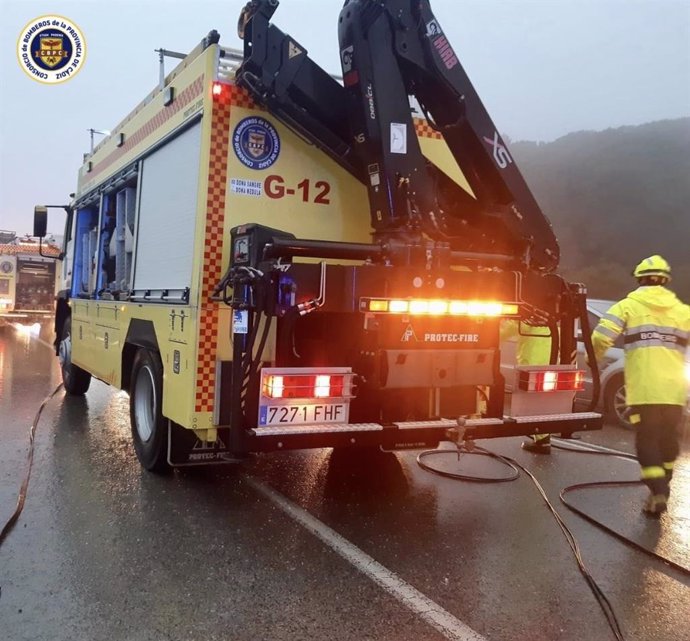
(447, 422)
(473, 422)
(420, 425)
(543, 418)
(319, 428)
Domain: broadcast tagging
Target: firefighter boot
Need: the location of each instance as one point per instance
(668, 467)
(538, 444)
(654, 505)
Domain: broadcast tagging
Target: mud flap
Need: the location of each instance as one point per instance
(185, 448)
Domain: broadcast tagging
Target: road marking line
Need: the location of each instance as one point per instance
(448, 625)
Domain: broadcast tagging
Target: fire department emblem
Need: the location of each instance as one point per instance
(256, 143)
(51, 49)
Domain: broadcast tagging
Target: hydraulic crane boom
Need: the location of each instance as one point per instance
(392, 50)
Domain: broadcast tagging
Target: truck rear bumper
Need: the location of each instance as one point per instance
(185, 449)
(417, 434)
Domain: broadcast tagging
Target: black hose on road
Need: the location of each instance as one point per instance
(581, 486)
(30, 461)
(479, 451)
(603, 601)
(601, 598)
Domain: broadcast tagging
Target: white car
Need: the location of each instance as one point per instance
(612, 391)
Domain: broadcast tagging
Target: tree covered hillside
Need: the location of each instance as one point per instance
(615, 197)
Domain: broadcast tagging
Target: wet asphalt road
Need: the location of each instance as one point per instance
(104, 550)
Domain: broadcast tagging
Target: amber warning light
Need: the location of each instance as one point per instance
(436, 307)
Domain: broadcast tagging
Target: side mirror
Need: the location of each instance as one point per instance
(40, 221)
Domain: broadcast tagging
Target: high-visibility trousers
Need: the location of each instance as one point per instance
(657, 436)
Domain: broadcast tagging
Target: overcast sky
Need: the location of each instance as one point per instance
(543, 68)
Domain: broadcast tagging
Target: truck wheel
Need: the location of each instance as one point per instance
(74, 378)
(149, 428)
(614, 399)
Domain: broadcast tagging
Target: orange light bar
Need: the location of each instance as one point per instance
(436, 307)
(398, 307)
(378, 306)
(419, 307)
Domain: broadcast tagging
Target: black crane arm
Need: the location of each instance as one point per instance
(392, 50)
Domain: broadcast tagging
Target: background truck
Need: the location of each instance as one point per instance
(268, 258)
(28, 279)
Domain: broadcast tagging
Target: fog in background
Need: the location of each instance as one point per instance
(543, 68)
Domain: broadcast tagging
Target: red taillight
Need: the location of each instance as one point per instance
(579, 380)
(304, 386)
(546, 380)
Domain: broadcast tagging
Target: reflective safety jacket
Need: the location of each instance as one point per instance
(533, 343)
(656, 329)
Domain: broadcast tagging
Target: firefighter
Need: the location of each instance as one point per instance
(533, 348)
(656, 329)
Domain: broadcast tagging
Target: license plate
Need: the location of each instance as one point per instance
(303, 414)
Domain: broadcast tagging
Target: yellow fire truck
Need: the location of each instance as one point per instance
(27, 279)
(268, 258)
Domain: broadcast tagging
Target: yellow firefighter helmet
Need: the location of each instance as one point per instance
(653, 266)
